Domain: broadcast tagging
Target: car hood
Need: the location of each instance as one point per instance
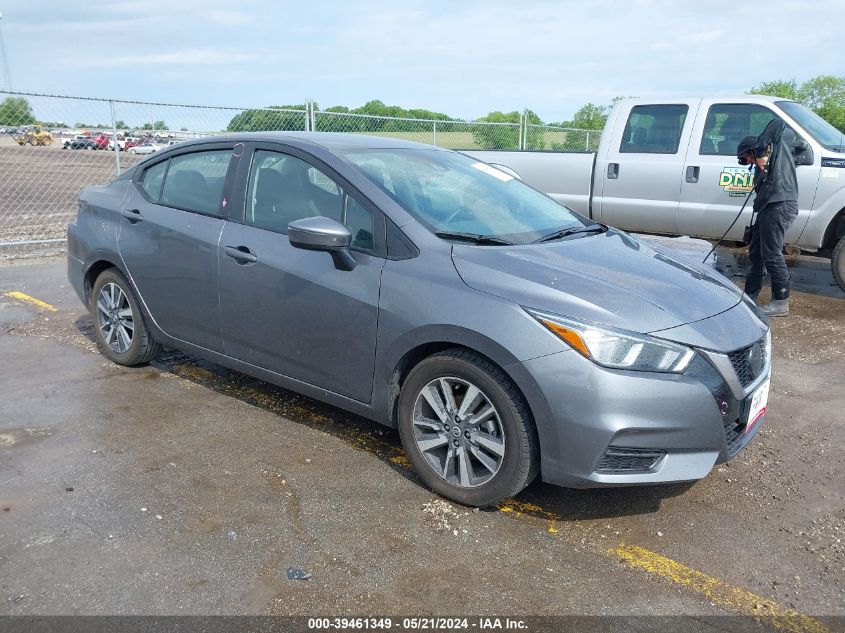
(609, 278)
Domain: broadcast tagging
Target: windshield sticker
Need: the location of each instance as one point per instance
(736, 181)
(492, 171)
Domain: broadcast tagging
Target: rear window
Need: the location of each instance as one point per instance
(654, 129)
(195, 181)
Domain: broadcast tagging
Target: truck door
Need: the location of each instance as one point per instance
(714, 186)
(640, 176)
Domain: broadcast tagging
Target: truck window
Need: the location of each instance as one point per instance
(728, 123)
(654, 129)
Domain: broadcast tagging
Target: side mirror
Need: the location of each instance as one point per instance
(802, 152)
(323, 234)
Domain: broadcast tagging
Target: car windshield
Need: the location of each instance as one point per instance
(827, 135)
(452, 193)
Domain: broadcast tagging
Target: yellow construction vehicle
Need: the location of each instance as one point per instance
(34, 135)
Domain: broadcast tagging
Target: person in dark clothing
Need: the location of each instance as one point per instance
(776, 206)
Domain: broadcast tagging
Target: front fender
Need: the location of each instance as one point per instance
(816, 230)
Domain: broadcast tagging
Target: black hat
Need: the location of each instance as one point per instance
(746, 146)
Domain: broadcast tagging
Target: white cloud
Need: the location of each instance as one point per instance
(195, 57)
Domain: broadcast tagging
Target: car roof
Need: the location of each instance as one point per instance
(328, 140)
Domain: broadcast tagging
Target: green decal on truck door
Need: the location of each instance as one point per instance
(736, 181)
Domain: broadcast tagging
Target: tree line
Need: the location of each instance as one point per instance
(824, 94)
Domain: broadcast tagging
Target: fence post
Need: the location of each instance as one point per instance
(434, 131)
(522, 131)
(114, 140)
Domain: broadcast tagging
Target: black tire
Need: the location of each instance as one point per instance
(521, 461)
(142, 348)
(837, 262)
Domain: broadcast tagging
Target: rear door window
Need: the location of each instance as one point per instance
(195, 181)
(654, 129)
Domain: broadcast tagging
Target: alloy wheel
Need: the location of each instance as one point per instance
(114, 318)
(459, 432)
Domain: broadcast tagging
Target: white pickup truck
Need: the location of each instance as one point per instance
(668, 166)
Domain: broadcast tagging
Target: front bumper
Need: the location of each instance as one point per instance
(601, 427)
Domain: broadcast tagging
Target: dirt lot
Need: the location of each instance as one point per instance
(184, 488)
(38, 186)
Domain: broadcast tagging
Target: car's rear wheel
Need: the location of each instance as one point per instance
(118, 323)
(467, 429)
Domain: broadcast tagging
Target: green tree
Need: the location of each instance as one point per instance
(272, 118)
(376, 108)
(507, 136)
(16, 111)
(157, 125)
(825, 95)
(589, 116)
(785, 89)
(120, 124)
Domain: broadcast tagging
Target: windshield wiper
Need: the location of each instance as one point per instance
(572, 230)
(472, 237)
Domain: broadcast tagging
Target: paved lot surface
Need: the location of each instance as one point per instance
(184, 488)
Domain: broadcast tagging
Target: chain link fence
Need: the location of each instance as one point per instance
(52, 146)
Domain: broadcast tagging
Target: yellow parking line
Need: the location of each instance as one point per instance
(718, 592)
(20, 296)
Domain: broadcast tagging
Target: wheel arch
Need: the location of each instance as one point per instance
(835, 230)
(97, 263)
(419, 345)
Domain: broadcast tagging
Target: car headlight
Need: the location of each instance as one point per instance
(617, 349)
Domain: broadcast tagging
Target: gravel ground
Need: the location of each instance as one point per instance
(183, 487)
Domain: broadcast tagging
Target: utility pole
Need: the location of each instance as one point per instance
(3, 57)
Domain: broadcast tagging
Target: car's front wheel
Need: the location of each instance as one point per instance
(118, 323)
(837, 262)
(467, 429)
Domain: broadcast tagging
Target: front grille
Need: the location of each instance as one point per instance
(618, 459)
(749, 362)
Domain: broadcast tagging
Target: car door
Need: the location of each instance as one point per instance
(715, 186)
(290, 310)
(168, 240)
(640, 176)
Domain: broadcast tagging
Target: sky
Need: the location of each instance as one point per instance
(461, 57)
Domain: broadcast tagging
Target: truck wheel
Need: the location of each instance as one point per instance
(118, 323)
(837, 262)
(467, 429)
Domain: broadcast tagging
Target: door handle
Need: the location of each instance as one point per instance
(240, 254)
(613, 170)
(133, 215)
(692, 173)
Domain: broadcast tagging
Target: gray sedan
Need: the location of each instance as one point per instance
(503, 334)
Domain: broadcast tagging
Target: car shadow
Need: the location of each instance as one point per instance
(542, 500)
